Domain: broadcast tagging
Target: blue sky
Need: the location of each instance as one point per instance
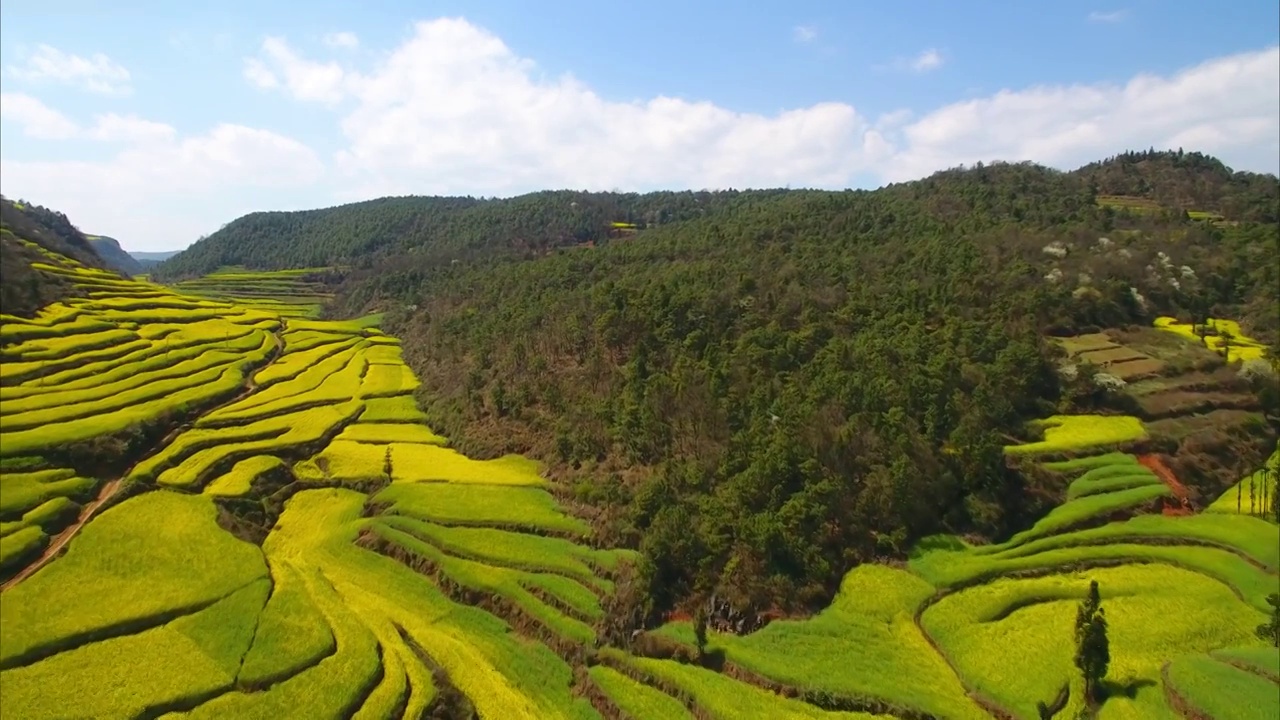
(158, 122)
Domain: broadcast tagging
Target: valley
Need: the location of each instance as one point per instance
(560, 477)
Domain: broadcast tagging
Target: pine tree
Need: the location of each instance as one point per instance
(1093, 649)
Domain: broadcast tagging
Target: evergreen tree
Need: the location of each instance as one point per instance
(1270, 631)
(1093, 650)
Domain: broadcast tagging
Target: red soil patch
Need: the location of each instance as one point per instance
(1156, 465)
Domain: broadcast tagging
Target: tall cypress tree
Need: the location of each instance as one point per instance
(1093, 650)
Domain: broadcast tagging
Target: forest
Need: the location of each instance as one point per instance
(762, 389)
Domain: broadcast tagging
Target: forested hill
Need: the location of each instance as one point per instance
(762, 389)
(1189, 181)
(442, 229)
(25, 229)
(765, 396)
(436, 229)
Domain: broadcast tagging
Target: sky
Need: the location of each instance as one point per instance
(158, 122)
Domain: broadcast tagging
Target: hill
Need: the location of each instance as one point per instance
(247, 509)
(762, 398)
(1191, 182)
(28, 233)
(113, 255)
(443, 229)
(436, 229)
(706, 360)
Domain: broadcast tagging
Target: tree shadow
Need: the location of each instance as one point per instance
(1129, 690)
(713, 659)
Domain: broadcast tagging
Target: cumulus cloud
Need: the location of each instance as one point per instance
(1229, 107)
(1109, 16)
(97, 73)
(455, 110)
(41, 122)
(346, 40)
(280, 66)
(37, 120)
(138, 194)
(804, 33)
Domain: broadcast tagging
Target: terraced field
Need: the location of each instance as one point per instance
(289, 293)
(966, 631)
(283, 535)
(1187, 393)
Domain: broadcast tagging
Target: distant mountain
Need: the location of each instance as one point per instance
(153, 257)
(114, 255)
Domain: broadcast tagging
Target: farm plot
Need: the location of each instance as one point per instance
(1111, 356)
(638, 700)
(875, 611)
(363, 432)
(287, 293)
(474, 505)
(722, 697)
(66, 389)
(1068, 433)
(1219, 335)
(1007, 637)
(1211, 688)
(212, 625)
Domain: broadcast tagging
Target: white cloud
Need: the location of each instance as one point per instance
(129, 129)
(346, 40)
(454, 110)
(1111, 16)
(304, 79)
(41, 122)
(38, 121)
(139, 194)
(927, 60)
(1228, 107)
(98, 73)
(804, 33)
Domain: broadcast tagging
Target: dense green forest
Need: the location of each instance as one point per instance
(762, 389)
(23, 225)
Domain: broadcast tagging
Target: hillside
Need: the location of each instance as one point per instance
(733, 364)
(246, 510)
(762, 399)
(27, 234)
(1192, 182)
(441, 229)
(113, 255)
(437, 230)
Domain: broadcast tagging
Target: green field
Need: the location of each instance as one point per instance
(284, 535)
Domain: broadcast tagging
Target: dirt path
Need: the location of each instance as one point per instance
(112, 487)
(1157, 465)
(65, 536)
